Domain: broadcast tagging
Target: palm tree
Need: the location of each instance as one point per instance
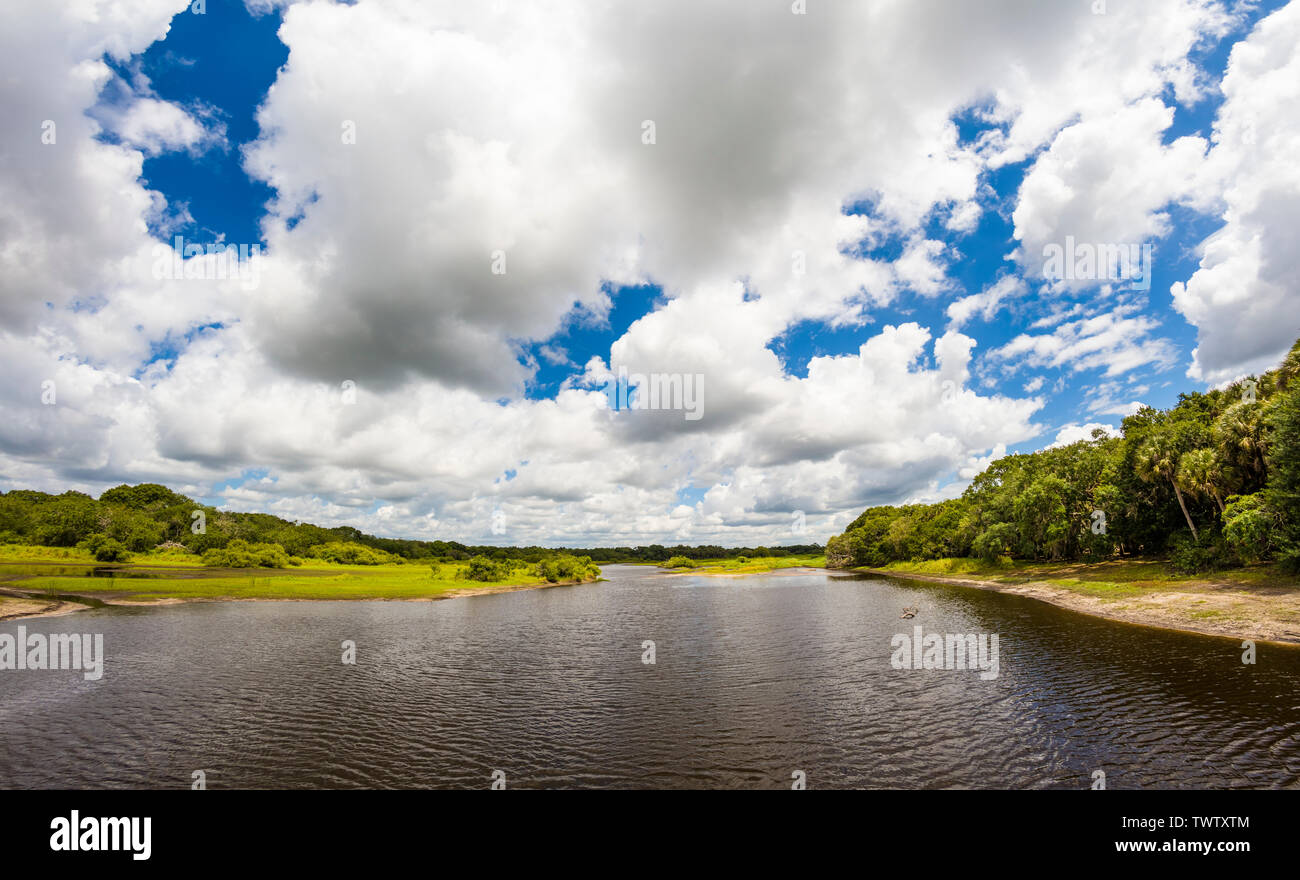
(1201, 473)
(1239, 433)
(1289, 371)
(1157, 459)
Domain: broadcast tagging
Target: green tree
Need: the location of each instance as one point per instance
(66, 520)
(1158, 460)
(995, 542)
(1249, 525)
(1240, 435)
(1200, 473)
(1041, 516)
(1283, 490)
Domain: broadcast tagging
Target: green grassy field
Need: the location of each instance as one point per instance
(1108, 579)
(314, 580)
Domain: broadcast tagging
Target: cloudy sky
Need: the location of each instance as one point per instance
(833, 220)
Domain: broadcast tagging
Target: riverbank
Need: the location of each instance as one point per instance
(1258, 603)
(27, 591)
(15, 608)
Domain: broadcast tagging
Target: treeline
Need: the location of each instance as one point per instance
(1212, 482)
(149, 516)
(660, 553)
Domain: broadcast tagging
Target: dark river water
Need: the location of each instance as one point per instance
(757, 681)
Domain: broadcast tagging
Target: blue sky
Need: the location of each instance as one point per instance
(227, 60)
(909, 177)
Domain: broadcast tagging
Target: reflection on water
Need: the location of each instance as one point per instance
(755, 678)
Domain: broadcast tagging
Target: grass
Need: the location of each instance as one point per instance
(755, 564)
(37, 553)
(314, 580)
(1108, 579)
(34, 553)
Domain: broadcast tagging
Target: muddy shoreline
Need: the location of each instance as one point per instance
(1266, 615)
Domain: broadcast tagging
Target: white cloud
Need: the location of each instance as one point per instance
(1074, 433)
(1114, 342)
(1242, 298)
(1107, 180)
(986, 303)
(156, 126)
(478, 131)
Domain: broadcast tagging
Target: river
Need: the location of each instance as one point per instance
(757, 682)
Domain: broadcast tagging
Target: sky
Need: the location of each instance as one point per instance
(383, 263)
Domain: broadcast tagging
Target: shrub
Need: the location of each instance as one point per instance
(241, 554)
(995, 542)
(351, 553)
(565, 567)
(679, 562)
(481, 568)
(1206, 553)
(104, 548)
(1249, 525)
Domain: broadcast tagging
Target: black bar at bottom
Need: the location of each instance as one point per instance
(646, 833)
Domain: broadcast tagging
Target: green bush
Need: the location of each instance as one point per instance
(481, 568)
(351, 553)
(565, 567)
(1249, 526)
(241, 554)
(996, 541)
(104, 548)
(679, 562)
(1196, 556)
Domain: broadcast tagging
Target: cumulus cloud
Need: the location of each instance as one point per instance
(986, 303)
(1107, 181)
(1242, 297)
(454, 183)
(70, 205)
(1069, 434)
(156, 126)
(1114, 342)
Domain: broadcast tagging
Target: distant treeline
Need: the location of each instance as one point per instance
(1212, 482)
(136, 519)
(660, 553)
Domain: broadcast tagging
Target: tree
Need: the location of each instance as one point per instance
(1041, 516)
(1283, 490)
(1201, 473)
(66, 520)
(1157, 459)
(1289, 371)
(995, 542)
(1249, 525)
(1240, 436)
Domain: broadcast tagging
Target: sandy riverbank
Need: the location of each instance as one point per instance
(12, 608)
(1207, 607)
